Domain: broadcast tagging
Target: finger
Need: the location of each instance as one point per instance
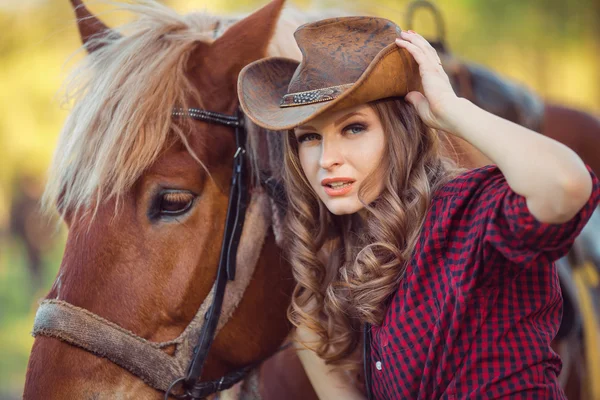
(433, 64)
(415, 51)
(419, 102)
(425, 62)
(429, 51)
(421, 43)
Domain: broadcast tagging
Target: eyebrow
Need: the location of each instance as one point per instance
(338, 122)
(347, 116)
(306, 128)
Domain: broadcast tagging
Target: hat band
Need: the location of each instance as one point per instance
(313, 96)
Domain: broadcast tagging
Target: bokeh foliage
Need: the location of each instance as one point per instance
(552, 46)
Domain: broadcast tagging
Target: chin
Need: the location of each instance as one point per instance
(343, 206)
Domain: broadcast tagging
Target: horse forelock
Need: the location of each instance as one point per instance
(123, 95)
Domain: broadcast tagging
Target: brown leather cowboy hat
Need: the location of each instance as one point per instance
(345, 62)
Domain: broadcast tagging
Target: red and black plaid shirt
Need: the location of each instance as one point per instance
(480, 302)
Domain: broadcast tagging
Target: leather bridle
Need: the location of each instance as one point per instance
(234, 223)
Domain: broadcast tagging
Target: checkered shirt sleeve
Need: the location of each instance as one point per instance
(512, 236)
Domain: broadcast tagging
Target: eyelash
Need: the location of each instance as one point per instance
(362, 128)
(307, 136)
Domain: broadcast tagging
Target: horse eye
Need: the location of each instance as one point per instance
(175, 202)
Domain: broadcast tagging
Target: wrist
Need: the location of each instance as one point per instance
(455, 113)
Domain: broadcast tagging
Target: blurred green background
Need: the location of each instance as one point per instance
(552, 46)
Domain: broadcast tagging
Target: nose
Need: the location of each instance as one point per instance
(331, 154)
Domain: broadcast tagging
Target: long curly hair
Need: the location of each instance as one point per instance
(347, 267)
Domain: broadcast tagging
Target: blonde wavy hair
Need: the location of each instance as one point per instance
(347, 267)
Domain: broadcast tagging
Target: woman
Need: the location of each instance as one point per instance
(452, 269)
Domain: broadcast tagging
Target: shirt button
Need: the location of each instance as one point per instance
(378, 365)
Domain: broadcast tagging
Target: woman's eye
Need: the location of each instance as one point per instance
(175, 202)
(308, 137)
(355, 129)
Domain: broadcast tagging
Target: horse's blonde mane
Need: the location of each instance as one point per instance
(123, 95)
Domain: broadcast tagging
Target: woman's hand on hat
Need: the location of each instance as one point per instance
(435, 104)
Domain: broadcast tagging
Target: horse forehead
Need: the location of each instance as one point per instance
(175, 163)
(212, 76)
(210, 145)
(215, 88)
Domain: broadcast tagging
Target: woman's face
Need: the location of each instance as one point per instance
(337, 152)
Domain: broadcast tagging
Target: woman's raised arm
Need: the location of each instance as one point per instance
(552, 177)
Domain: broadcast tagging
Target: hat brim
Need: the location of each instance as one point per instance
(263, 83)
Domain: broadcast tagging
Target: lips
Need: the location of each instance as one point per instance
(337, 186)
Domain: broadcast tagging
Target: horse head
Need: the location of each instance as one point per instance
(142, 179)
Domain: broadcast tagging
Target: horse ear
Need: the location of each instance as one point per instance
(89, 25)
(248, 39)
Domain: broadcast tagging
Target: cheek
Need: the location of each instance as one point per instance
(371, 151)
(380, 151)
(309, 161)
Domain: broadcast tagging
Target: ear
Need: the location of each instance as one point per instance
(247, 40)
(89, 26)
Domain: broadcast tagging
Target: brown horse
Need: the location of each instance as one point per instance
(145, 197)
